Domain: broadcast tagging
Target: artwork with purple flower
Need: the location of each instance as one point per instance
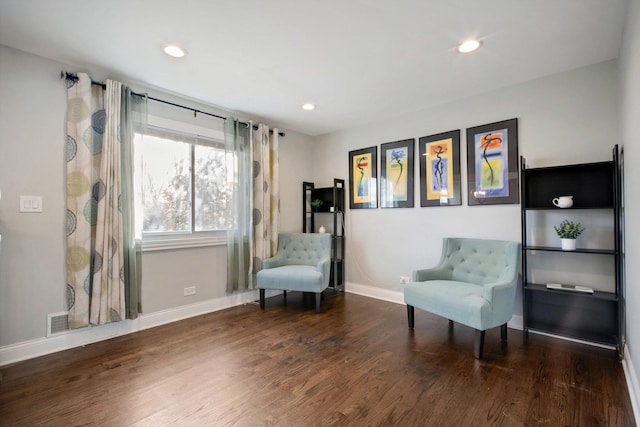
(440, 169)
(492, 156)
(396, 180)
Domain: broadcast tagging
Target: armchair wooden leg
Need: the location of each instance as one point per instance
(284, 297)
(503, 332)
(410, 316)
(478, 344)
(262, 299)
(318, 299)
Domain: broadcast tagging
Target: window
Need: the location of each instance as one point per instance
(181, 176)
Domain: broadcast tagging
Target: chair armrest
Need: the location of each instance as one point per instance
(324, 267)
(273, 262)
(498, 293)
(501, 296)
(430, 274)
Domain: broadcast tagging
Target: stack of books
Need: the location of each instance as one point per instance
(572, 288)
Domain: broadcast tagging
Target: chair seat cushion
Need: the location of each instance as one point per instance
(461, 302)
(303, 278)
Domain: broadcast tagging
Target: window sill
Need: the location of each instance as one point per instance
(151, 245)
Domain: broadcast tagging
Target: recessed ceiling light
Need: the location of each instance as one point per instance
(174, 51)
(308, 106)
(468, 46)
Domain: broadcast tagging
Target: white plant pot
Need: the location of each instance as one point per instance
(568, 244)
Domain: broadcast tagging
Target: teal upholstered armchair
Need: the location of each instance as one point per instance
(302, 263)
(474, 284)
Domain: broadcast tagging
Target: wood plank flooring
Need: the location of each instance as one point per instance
(354, 364)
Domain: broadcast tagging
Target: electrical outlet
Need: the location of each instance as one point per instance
(191, 290)
(403, 280)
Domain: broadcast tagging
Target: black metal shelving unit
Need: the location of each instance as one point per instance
(332, 207)
(598, 317)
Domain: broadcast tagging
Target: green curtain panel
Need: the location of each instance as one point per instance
(133, 115)
(238, 153)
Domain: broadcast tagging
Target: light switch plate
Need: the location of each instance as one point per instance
(30, 203)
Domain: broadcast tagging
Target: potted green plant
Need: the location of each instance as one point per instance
(568, 231)
(315, 204)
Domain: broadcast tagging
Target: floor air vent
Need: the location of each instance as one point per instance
(57, 323)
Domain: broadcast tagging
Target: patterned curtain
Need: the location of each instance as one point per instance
(96, 244)
(253, 209)
(85, 128)
(107, 293)
(266, 195)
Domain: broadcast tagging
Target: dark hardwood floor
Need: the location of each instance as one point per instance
(355, 364)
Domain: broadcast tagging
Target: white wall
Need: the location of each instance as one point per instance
(630, 118)
(32, 129)
(566, 118)
(295, 167)
(32, 271)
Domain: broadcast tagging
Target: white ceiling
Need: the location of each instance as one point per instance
(359, 60)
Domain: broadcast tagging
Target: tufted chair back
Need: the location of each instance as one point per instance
(479, 261)
(303, 248)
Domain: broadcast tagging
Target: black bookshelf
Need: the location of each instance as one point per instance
(332, 208)
(596, 317)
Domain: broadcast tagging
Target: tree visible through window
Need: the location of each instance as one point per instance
(183, 182)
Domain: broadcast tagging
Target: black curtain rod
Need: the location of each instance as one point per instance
(70, 76)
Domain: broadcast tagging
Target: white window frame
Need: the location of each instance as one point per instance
(181, 240)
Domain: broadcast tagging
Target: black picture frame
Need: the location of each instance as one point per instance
(440, 182)
(492, 163)
(397, 174)
(363, 178)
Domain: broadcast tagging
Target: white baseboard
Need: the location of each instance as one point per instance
(374, 292)
(79, 337)
(632, 383)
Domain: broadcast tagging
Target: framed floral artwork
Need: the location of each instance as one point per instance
(492, 163)
(440, 169)
(363, 177)
(396, 174)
